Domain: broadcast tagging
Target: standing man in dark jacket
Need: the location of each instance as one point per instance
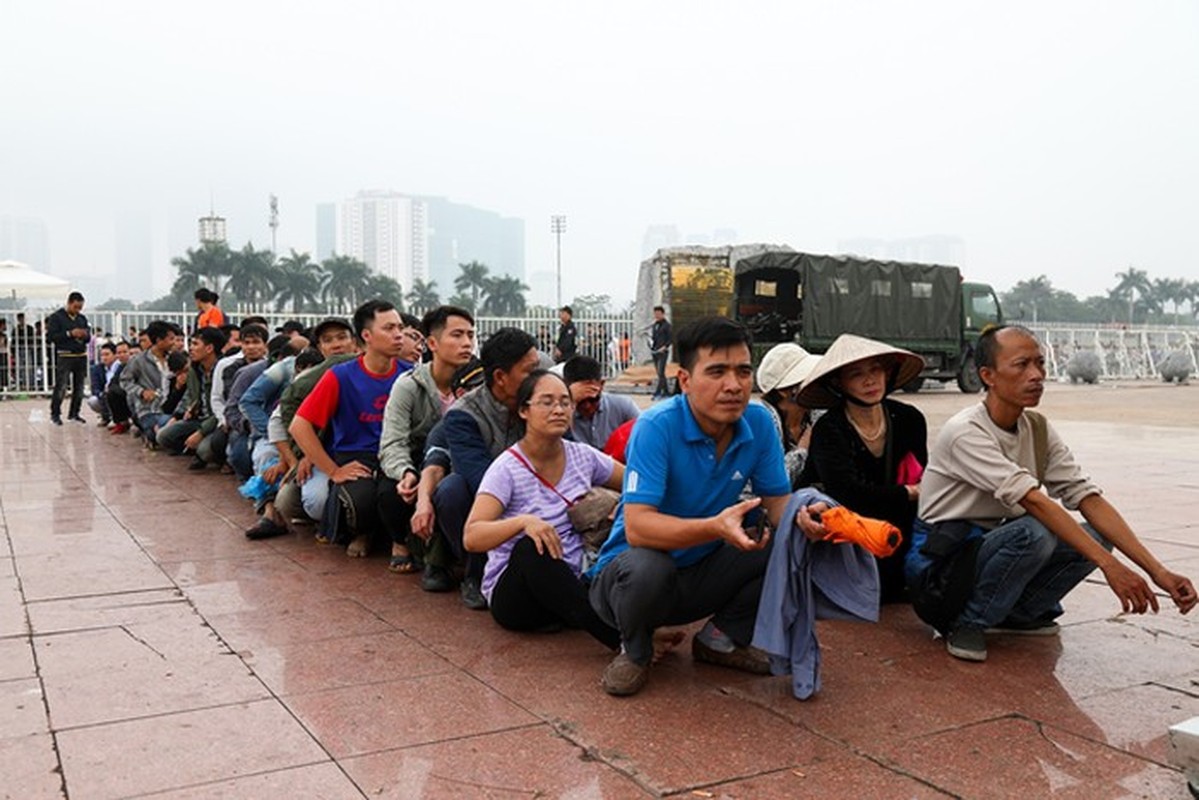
(660, 338)
(568, 336)
(68, 333)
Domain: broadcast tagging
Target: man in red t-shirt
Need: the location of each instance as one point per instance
(347, 405)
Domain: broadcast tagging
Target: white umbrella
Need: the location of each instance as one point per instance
(20, 280)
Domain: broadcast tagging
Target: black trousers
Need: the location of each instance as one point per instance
(371, 505)
(643, 589)
(118, 404)
(75, 369)
(537, 591)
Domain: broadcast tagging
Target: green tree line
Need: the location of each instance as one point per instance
(1136, 298)
(297, 283)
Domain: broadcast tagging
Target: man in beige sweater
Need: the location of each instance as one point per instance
(992, 486)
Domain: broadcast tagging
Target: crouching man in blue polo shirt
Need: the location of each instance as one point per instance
(679, 550)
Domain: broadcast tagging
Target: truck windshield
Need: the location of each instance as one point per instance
(983, 310)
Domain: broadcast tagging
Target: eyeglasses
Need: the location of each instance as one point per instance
(414, 337)
(547, 403)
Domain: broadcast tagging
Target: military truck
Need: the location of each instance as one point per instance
(785, 296)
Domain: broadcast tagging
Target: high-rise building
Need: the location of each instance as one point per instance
(134, 243)
(25, 239)
(460, 233)
(387, 231)
(326, 230)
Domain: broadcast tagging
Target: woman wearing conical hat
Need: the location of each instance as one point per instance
(780, 376)
(868, 451)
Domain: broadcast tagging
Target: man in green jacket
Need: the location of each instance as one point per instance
(417, 401)
(195, 428)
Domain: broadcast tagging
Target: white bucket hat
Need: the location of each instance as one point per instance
(818, 392)
(784, 365)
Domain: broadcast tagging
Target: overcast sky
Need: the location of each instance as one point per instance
(1058, 138)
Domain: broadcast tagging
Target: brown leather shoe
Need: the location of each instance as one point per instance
(746, 659)
(624, 677)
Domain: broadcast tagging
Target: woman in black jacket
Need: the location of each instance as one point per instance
(868, 452)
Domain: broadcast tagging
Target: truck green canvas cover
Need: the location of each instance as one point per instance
(820, 297)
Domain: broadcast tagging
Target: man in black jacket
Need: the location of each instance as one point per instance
(68, 333)
(661, 337)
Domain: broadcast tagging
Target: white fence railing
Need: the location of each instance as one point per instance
(1124, 353)
(27, 360)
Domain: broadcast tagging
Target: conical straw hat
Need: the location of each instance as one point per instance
(818, 390)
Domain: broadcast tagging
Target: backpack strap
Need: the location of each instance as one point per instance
(1040, 441)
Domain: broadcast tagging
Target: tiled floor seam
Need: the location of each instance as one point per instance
(443, 740)
(37, 667)
(1193, 691)
(879, 761)
(184, 596)
(564, 732)
(1042, 724)
(219, 781)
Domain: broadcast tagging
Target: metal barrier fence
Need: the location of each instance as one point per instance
(27, 359)
(1124, 353)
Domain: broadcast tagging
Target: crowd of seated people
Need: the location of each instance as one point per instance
(466, 464)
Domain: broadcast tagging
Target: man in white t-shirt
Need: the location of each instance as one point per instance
(991, 488)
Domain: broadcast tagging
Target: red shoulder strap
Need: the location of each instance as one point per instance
(517, 455)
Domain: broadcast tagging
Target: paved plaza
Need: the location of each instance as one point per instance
(148, 648)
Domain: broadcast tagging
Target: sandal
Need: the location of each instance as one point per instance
(405, 564)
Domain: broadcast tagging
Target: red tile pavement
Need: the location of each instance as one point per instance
(174, 656)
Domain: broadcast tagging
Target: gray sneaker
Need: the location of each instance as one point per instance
(967, 643)
(624, 677)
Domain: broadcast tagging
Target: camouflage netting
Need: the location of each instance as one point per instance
(1176, 366)
(1085, 366)
(649, 283)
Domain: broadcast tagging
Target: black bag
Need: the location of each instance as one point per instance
(940, 593)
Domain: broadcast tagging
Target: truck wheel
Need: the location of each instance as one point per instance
(968, 380)
(913, 386)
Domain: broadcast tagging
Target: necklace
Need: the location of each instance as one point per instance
(870, 437)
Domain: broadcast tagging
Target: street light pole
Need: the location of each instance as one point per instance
(558, 227)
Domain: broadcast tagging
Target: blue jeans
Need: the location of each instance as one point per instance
(452, 500)
(237, 453)
(1023, 572)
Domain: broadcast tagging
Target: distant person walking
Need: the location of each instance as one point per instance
(660, 337)
(68, 333)
(568, 337)
(210, 315)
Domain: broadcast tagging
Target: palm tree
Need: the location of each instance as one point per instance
(1031, 293)
(345, 281)
(473, 280)
(384, 288)
(1191, 296)
(1133, 283)
(252, 275)
(1170, 290)
(423, 296)
(505, 297)
(205, 265)
(298, 284)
